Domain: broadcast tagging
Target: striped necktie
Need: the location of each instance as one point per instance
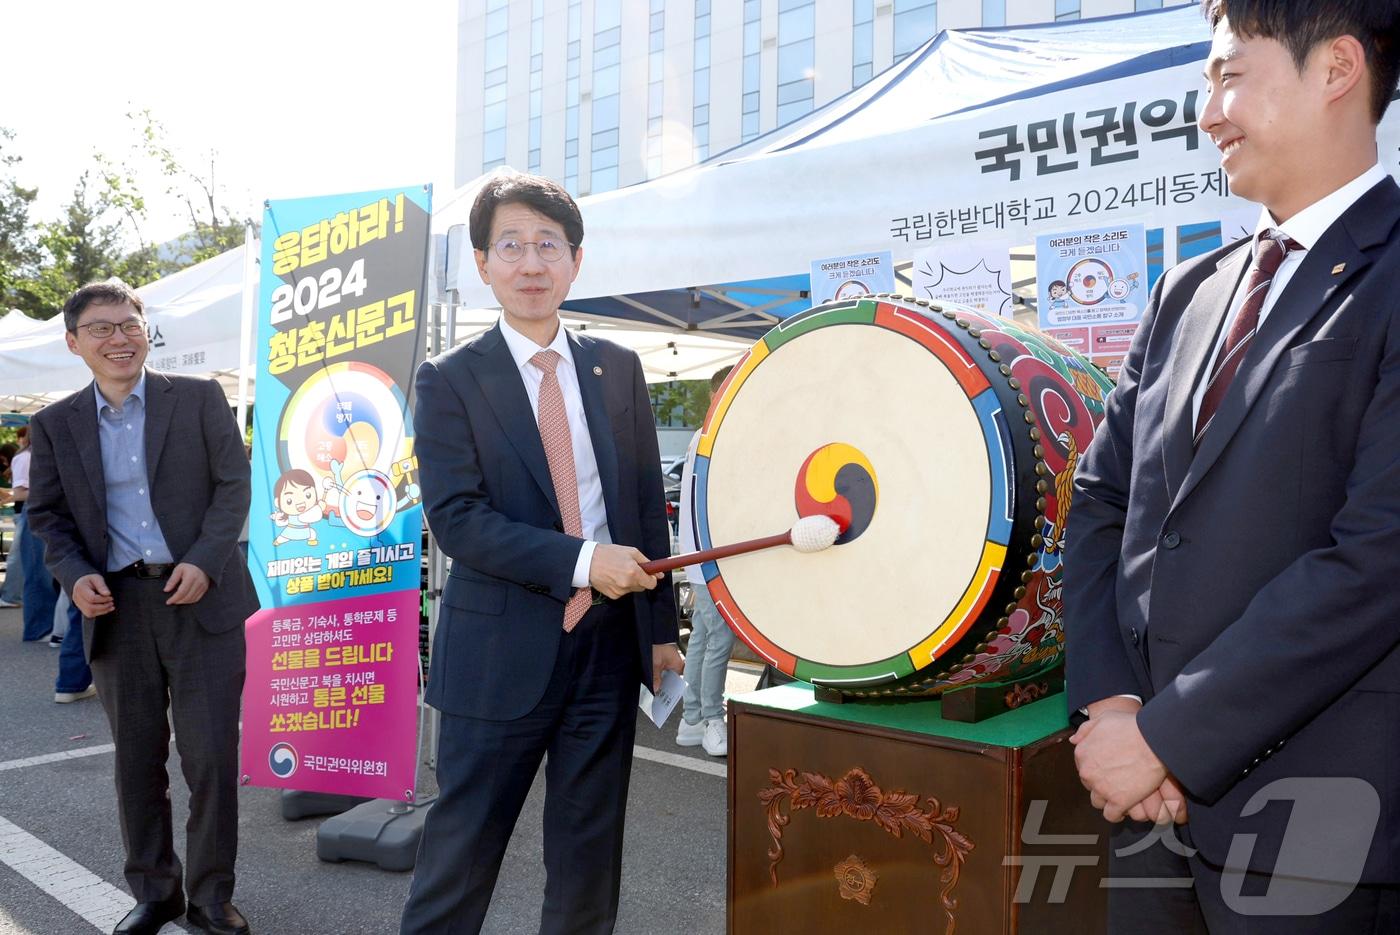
(1271, 248)
(559, 452)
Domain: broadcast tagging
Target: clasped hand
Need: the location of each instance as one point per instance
(1124, 777)
(93, 598)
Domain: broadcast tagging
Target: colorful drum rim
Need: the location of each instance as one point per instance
(900, 317)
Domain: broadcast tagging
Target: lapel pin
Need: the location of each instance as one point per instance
(1339, 269)
(597, 371)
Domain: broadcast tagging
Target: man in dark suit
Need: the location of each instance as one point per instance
(1233, 624)
(140, 488)
(541, 479)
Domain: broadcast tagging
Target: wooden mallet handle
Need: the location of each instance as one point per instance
(710, 555)
(809, 534)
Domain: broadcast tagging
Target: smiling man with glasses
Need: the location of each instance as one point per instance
(139, 489)
(541, 479)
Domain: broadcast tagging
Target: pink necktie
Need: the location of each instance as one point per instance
(559, 452)
(1272, 247)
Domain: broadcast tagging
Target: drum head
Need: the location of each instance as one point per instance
(872, 411)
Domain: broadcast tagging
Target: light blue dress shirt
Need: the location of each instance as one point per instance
(134, 534)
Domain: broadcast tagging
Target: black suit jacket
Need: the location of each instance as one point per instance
(1246, 590)
(200, 487)
(490, 503)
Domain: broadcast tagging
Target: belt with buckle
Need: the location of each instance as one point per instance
(142, 569)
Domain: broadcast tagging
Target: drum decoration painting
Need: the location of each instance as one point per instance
(942, 442)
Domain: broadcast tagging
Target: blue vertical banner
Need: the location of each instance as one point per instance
(336, 525)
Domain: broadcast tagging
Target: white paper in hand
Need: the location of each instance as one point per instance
(658, 707)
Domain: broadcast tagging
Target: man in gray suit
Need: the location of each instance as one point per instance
(140, 489)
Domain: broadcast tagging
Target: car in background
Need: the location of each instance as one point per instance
(671, 470)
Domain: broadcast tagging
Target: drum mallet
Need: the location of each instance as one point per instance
(808, 534)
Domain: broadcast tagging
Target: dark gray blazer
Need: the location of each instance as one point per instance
(200, 489)
(1246, 590)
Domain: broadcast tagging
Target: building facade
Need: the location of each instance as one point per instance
(606, 93)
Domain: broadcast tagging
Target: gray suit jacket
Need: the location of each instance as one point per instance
(199, 489)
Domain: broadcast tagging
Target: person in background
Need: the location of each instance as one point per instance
(711, 640)
(74, 682)
(40, 591)
(11, 591)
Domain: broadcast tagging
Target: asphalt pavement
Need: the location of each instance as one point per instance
(61, 853)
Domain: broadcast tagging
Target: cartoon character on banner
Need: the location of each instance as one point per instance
(299, 507)
(368, 497)
(345, 427)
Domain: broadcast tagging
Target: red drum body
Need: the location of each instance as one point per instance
(946, 440)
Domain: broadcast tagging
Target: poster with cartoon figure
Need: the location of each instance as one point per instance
(334, 543)
(1092, 288)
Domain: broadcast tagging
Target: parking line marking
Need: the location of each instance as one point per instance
(98, 902)
(684, 762)
(56, 757)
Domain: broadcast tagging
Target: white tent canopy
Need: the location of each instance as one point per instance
(194, 321)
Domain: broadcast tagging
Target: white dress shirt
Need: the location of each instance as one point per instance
(19, 469)
(590, 486)
(1306, 227)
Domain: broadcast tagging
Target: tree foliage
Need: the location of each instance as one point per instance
(213, 227)
(680, 403)
(19, 253)
(102, 229)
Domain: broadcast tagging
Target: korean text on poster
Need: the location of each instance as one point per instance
(331, 697)
(977, 275)
(839, 278)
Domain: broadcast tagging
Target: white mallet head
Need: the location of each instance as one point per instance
(814, 533)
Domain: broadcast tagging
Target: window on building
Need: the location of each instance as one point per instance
(536, 81)
(571, 95)
(797, 29)
(700, 116)
(753, 43)
(1066, 9)
(607, 85)
(656, 71)
(994, 12)
(493, 124)
(915, 21)
(1147, 5)
(862, 42)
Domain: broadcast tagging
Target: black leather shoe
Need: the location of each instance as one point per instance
(147, 918)
(218, 919)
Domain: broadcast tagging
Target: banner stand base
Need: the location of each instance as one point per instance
(380, 831)
(298, 803)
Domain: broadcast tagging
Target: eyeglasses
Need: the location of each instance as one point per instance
(102, 330)
(549, 250)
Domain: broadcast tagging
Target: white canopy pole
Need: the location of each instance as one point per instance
(245, 330)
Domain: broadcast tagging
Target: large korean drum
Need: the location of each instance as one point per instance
(946, 442)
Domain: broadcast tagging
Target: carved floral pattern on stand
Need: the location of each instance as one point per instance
(856, 795)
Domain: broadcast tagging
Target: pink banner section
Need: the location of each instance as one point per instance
(331, 698)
